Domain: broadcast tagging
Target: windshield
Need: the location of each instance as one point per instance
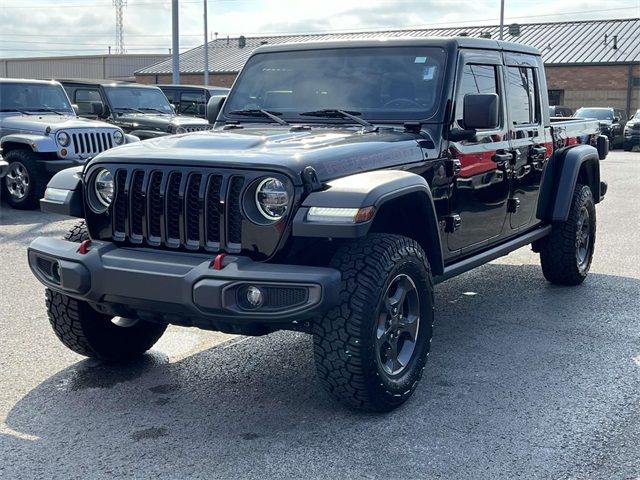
(381, 83)
(147, 100)
(34, 97)
(637, 115)
(597, 113)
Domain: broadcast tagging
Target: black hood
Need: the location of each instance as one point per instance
(156, 121)
(333, 152)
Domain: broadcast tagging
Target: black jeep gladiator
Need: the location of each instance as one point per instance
(341, 182)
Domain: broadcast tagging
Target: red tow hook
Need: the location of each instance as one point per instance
(84, 247)
(217, 263)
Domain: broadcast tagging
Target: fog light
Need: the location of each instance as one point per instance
(254, 296)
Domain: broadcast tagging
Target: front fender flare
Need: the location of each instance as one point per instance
(371, 189)
(64, 193)
(37, 143)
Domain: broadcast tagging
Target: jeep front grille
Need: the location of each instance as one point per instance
(195, 128)
(178, 208)
(91, 142)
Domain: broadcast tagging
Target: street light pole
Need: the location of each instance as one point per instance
(175, 53)
(501, 17)
(206, 47)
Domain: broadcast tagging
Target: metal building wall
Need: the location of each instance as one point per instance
(94, 66)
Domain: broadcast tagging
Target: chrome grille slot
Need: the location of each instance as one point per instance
(91, 143)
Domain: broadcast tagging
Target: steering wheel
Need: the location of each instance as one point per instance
(406, 101)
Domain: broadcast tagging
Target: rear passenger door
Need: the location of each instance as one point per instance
(481, 186)
(530, 140)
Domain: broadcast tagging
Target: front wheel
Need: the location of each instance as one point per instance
(24, 183)
(93, 334)
(371, 350)
(566, 254)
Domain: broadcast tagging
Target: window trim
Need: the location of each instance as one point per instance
(499, 90)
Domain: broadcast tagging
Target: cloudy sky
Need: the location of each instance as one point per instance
(68, 27)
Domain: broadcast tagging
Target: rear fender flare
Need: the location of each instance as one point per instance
(374, 189)
(561, 176)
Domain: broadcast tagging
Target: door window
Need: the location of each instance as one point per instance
(475, 79)
(85, 99)
(523, 101)
(189, 102)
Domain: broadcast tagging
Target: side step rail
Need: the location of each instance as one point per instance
(498, 251)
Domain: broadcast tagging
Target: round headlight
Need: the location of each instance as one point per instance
(64, 139)
(103, 187)
(118, 137)
(181, 130)
(272, 198)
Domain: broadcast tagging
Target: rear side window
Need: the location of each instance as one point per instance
(85, 99)
(475, 79)
(523, 100)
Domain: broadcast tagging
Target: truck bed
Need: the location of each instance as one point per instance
(575, 130)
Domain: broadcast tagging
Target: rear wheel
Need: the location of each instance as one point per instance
(371, 350)
(94, 334)
(24, 184)
(566, 254)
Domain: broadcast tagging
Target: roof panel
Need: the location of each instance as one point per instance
(560, 42)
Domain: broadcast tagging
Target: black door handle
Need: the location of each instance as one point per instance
(502, 157)
(539, 151)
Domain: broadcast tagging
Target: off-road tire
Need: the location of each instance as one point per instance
(78, 233)
(558, 251)
(345, 339)
(93, 334)
(38, 180)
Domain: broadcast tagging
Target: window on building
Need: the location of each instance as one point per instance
(556, 97)
(523, 101)
(475, 79)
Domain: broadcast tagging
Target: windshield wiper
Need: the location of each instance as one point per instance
(47, 110)
(4, 110)
(154, 110)
(259, 111)
(335, 113)
(128, 109)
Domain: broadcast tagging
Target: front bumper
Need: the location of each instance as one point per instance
(632, 137)
(183, 288)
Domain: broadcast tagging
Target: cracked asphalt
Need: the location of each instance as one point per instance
(525, 380)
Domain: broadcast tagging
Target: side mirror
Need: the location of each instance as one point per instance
(202, 109)
(481, 111)
(616, 119)
(76, 110)
(173, 107)
(214, 106)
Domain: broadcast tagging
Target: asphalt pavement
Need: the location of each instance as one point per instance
(525, 380)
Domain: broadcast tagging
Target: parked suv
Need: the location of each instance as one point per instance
(40, 135)
(612, 122)
(329, 200)
(191, 99)
(560, 111)
(142, 110)
(632, 132)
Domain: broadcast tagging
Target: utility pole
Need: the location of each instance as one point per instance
(206, 47)
(119, 4)
(175, 54)
(501, 17)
